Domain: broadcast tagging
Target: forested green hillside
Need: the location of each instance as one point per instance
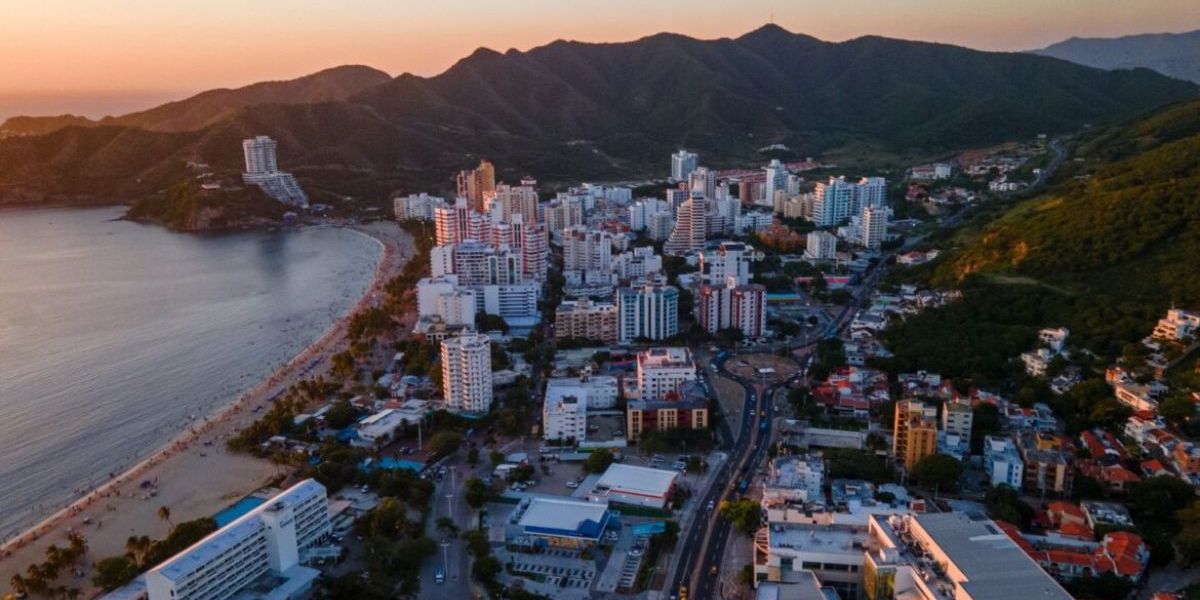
(1113, 245)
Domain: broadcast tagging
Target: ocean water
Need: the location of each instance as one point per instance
(113, 334)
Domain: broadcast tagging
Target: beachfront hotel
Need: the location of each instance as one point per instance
(258, 554)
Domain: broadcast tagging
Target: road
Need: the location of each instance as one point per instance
(703, 544)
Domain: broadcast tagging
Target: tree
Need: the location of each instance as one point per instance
(340, 415)
(475, 492)
(496, 457)
(598, 461)
(1159, 497)
(489, 322)
(1178, 408)
(1187, 540)
(137, 547)
(744, 514)
(164, 513)
(1004, 504)
(444, 442)
(114, 572)
(1105, 587)
(473, 456)
(520, 473)
(446, 525)
(485, 569)
(938, 470)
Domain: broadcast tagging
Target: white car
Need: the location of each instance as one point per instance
(572, 484)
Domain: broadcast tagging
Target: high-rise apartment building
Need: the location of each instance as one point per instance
(467, 373)
(260, 549)
(661, 371)
(729, 259)
(703, 181)
(459, 223)
(691, 228)
(587, 249)
(957, 419)
(871, 191)
(477, 263)
(476, 184)
(650, 311)
(776, 182)
(532, 236)
(584, 319)
(418, 207)
(820, 245)
(873, 226)
(914, 432)
(564, 418)
(837, 200)
(682, 165)
(640, 212)
(262, 171)
(440, 298)
(833, 202)
(260, 155)
(743, 307)
(507, 201)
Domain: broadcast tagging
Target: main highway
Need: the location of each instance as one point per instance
(703, 544)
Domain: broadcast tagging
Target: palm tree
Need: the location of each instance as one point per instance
(78, 543)
(18, 584)
(138, 547)
(164, 513)
(55, 555)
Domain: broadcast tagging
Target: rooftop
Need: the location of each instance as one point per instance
(992, 566)
(214, 544)
(642, 481)
(665, 358)
(551, 515)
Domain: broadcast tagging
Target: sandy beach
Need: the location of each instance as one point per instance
(193, 475)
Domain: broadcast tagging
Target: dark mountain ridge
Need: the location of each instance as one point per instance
(1173, 54)
(570, 110)
(213, 106)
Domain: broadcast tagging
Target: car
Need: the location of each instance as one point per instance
(711, 503)
(572, 484)
(439, 575)
(612, 536)
(753, 412)
(712, 572)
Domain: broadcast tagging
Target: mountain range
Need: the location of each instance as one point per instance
(1173, 54)
(571, 111)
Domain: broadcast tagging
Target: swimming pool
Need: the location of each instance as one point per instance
(239, 508)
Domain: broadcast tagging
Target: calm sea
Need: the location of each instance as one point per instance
(113, 333)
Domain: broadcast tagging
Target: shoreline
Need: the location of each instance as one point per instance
(224, 420)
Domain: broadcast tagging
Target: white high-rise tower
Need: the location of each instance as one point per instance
(260, 155)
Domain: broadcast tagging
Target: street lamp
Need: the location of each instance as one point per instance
(445, 556)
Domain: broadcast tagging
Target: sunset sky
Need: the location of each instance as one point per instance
(94, 57)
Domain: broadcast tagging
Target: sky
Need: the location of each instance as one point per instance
(107, 57)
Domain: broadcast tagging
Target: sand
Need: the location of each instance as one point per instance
(193, 475)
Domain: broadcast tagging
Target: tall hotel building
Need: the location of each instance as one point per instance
(467, 373)
(261, 548)
(650, 312)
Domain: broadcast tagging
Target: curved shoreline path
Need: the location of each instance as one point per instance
(193, 475)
